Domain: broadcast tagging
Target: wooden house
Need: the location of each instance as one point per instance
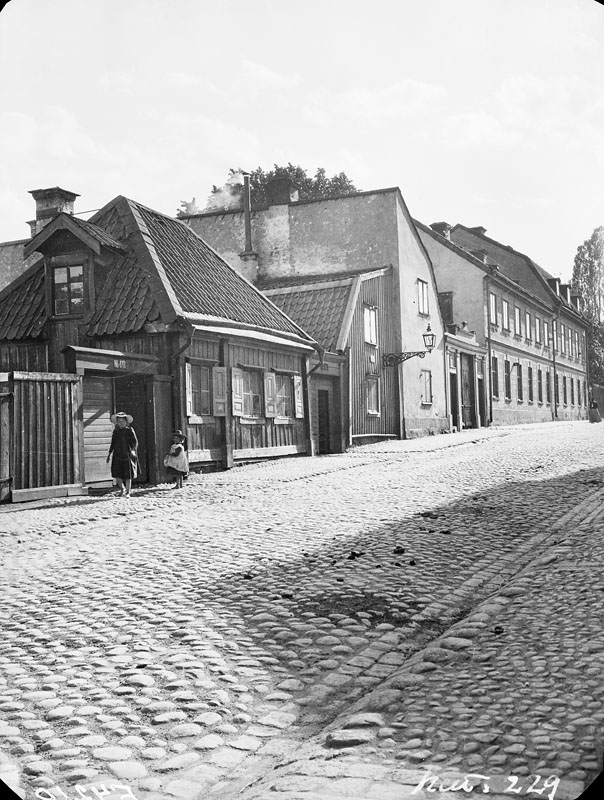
(155, 323)
(363, 247)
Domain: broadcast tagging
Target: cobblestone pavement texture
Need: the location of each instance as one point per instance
(314, 628)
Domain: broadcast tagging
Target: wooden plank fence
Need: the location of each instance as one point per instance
(41, 434)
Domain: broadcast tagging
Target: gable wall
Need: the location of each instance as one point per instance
(466, 282)
(414, 265)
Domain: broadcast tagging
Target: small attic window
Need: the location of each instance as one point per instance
(68, 290)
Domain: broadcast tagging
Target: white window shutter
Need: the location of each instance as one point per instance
(188, 388)
(270, 395)
(219, 391)
(237, 397)
(298, 396)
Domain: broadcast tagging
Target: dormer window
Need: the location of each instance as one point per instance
(68, 290)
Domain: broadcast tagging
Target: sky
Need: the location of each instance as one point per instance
(483, 112)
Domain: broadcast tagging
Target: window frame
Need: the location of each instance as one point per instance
(425, 377)
(517, 321)
(505, 315)
(68, 283)
(507, 380)
(423, 298)
(519, 382)
(495, 377)
(540, 385)
(529, 384)
(370, 324)
(372, 391)
(493, 308)
(528, 325)
(537, 330)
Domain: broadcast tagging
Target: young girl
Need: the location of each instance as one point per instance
(176, 461)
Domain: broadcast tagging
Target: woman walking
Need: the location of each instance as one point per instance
(124, 445)
(594, 412)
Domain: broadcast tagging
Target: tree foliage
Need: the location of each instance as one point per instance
(588, 282)
(310, 187)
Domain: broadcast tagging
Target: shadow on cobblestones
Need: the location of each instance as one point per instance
(246, 618)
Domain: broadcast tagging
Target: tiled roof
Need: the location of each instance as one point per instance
(23, 305)
(202, 282)
(125, 302)
(164, 271)
(302, 280)
(320, 311)
(99, 234)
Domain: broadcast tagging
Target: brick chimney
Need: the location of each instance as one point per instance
(443, 228)
(281, 191)
(479, 230)
(49, 203)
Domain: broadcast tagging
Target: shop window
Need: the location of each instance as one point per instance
(68, 290)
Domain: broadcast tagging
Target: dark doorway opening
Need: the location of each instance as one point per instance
(324, 422)
(131, 397)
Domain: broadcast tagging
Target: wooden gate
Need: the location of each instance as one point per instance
(40, 417)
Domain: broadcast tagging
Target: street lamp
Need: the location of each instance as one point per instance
(392, 359)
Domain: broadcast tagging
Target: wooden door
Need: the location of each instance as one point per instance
(467, 391)
(98, 407)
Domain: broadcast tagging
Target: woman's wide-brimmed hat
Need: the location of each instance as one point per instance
(121, 415)
(179, 433)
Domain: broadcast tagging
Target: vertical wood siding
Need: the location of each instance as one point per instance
(45, 434)
(266, 434)
(375, 292)
(24, 357)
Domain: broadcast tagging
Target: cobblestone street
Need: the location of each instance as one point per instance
(315, 628)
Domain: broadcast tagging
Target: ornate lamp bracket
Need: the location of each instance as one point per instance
(392, 359)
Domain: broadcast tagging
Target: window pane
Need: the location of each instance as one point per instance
(60, 275)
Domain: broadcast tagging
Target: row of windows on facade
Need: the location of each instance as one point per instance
(370, 313)
(255, 393)
(565, 339)
(544, 385)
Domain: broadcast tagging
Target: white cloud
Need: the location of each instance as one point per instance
(403, 99)
(475, 129)
(259, 76)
